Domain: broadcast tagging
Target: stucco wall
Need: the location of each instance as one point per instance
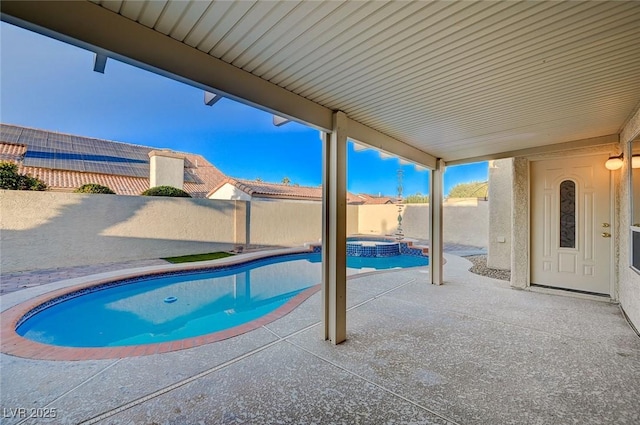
(285, 223)
(628, 279)
(520, 224)
(383, 220)
(352, 219)
(166, 169)
(415, 221)
(465, 221)
(499, 239)
(290, 223)
(53, 229)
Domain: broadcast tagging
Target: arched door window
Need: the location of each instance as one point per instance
(567, 214)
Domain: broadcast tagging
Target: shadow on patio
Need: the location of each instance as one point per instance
(473, 351)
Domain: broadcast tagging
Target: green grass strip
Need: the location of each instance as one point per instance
(197, 257)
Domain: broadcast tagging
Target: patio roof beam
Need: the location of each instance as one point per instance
(211, 99)
(279, 121)
(363, 134)
(99, 62)
(558, 147)
(90, 26)
(95, 28)
(631, 129)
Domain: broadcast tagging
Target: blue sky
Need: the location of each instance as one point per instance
(51, 85)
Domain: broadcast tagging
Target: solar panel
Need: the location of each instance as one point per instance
(97, 160)
(66, 152)
(9, 134)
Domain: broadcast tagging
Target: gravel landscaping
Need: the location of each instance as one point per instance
(480, 267)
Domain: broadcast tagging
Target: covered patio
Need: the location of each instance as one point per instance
(433, 83)
(473, 351)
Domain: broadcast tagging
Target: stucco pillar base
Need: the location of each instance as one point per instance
(520, 224)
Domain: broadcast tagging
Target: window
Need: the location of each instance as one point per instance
(567, 214)
(634, 191)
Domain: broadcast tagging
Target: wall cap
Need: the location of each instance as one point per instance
(166, 153)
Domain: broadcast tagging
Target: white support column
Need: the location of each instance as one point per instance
(334, 231)
(436, 259)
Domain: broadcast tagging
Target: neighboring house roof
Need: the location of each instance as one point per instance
(66, 180)
(260, 189)
(11, 152)
(375, 200)
(205, 175)
(65, 162)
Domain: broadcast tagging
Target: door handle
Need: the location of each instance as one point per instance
(606, 235)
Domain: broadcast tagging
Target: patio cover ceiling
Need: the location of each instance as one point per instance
(459, 81)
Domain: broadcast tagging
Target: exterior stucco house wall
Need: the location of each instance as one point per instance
(510, 213)
(500, 206)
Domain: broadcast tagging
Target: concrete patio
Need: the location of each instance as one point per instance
(473, 351)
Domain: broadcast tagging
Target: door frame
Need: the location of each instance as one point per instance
(613, 241)
(615, 231)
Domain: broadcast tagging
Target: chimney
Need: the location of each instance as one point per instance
(166, 169)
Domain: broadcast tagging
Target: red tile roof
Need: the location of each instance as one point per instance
(68, 181)
(375, 200)
(280, 191)
(12, 153)
(205, 176)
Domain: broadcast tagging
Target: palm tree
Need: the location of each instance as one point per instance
(286, 180)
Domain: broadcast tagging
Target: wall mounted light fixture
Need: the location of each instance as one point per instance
(616, 162)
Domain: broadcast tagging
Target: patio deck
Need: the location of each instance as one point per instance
(473, 351)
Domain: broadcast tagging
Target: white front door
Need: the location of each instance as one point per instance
(571, 223)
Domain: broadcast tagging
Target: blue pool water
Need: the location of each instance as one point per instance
(178, 306)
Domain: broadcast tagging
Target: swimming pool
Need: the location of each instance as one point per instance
(169, 307)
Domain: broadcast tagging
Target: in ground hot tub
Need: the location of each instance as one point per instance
(364, 247)
(375, 247)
